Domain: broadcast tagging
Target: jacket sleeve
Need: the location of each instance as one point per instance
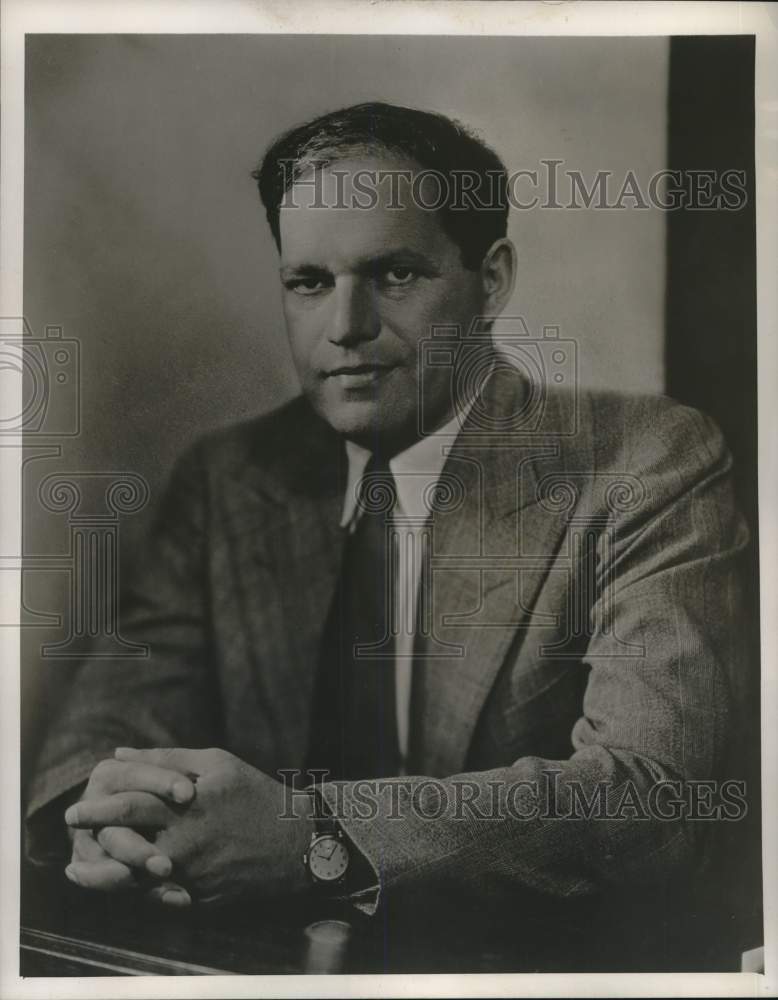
(669, 581)
(166, 698)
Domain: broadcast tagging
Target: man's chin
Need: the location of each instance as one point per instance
(368, 422)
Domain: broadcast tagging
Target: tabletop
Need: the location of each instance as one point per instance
(67, 931)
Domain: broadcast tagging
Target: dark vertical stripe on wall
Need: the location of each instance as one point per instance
(711, 364)
(711, 255)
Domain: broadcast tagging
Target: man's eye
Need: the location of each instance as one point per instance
(399, 276)
(305, 286)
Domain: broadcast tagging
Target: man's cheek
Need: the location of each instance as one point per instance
(301, 359)
(304, 336)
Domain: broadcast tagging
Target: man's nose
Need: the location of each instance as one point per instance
(355, 315)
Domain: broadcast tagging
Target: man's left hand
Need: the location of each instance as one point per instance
(230, 841)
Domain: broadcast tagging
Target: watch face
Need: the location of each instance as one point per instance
(328, 858)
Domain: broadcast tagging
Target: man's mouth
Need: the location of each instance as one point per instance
(358, 376)
(358, 369)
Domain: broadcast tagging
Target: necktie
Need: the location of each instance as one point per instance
(417, 702)
(354, 726)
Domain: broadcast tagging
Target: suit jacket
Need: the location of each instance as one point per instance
(585, 601)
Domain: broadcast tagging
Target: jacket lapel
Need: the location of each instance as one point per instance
(489, 557)
(296, 550)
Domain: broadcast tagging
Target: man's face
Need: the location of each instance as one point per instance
(361, 289)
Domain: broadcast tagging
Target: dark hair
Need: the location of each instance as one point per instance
(431, 140)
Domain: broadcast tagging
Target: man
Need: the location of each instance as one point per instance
(513, 605)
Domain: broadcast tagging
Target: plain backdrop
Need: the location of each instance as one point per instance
(146, 241)
(145, 238)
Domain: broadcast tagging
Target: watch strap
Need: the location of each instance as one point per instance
(323, 820)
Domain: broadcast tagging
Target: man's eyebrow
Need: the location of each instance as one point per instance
(404, 256)
(303, 271)
(401, 255)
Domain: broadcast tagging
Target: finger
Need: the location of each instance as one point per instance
(134, 850)
(170, 894)
(192, 762)
(134, 809)
(119, 776)
(85, 847)
(105, 876)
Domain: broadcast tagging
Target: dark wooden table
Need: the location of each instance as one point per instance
(67, 931)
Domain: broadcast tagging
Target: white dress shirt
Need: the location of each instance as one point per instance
(416, 471)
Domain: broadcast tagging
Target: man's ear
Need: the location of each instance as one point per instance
(498, 276)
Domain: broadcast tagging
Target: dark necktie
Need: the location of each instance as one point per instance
(354, 725)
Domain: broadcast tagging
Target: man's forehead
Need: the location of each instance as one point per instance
(382, 179)
(340, 220)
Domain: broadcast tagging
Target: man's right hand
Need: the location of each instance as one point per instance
(118, 857)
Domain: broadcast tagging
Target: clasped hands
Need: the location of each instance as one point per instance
(187, 824)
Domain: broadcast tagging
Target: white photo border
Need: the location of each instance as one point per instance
(460, 17)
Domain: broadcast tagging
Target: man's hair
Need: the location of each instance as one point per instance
(473, 221)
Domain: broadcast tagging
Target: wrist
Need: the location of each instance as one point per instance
(302, 828)
(330, 856)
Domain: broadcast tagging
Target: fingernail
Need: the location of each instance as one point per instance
(159, 865)
(182, 791)
(176, 897)
(121, 751)
(71, 815)
(72, 876)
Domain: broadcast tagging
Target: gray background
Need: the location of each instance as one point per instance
(146, 241)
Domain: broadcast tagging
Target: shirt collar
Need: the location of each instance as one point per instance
(415, 470)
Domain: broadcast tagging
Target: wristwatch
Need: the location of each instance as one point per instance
(327, 858)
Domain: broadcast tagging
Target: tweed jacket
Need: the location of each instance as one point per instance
(584, 599)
